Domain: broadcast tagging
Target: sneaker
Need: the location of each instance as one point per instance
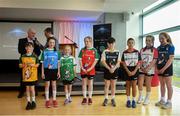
(160, 103)
(140, 100)
(105, 102)
(133, 104)
(89, 101)
(128, 104)
(84, 101)
(146, 101)
(33, 105)
(28, 106)
(55, 103)
(167, 105)
(113, 102)
(70, 99)
(48, 104)
(66, 101)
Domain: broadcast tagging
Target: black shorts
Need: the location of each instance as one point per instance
(110, 76)
(131, 78)
(30, 83)
(67, 82)
(90, 77)
(168, 72)
(145, 74)
(50, 74)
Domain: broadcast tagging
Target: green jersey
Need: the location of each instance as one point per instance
(67, 64)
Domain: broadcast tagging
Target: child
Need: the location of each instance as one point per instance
(111, 61)
(149, 55)
(68, 72)
(29, 63)
(131, 63)
(50, 59)
(88, 58)
(165, 69)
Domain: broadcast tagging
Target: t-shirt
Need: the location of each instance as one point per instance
(147, 55)
(50, 58)
(163, 54)
(29, 73)
(88, 57)
(111, 57)
(67, 64)
(131, 59)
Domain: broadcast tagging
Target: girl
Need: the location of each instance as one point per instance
(50, 70)
(131, 63)
(149, 55)
(68, 72)
(165, 69)
(110, 59)
(88, 58)
(29, 64)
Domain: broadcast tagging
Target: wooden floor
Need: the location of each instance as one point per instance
(10, 105)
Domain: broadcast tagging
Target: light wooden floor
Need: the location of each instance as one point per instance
(10, 105)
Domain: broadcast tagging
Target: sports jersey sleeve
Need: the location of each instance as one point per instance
(155, 53)
(59, 56)
(171, 50)
(37, 60)
(80, 54)
(103, 56)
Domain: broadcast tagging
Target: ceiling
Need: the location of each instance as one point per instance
(79, 10)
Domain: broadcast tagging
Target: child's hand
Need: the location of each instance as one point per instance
(111, 70)
(161, 71)
(85, 71)
(88, 70)
(32, 65)
(58, 75)
(42, 76)
(24, 65)
(129, 73)
(133, 73)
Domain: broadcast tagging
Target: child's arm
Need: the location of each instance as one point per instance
(42, 71)
(135, 70)
(152, 64)
(75, 71)
(92, 66)
(169, 62)
(118, 63)
(58, 74)
(126, 69)
(81, 66)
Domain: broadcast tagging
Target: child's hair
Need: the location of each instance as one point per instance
(48, 30)
(152, 38)
(29, 44)
(52, 38)
(111, 40)
(88, 37)
(130, 39)
(166, 35)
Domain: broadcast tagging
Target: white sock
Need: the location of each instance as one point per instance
(84, 94)
(133, 98)
(33, 98)
(113, 96)
(28, 99)
(67, 96)
(54, 94)
(128, 97)
(169, 101)
(106, 96)
(90, 94)
(140, 94)
(47, 95)
(148, 94)
(163, 98)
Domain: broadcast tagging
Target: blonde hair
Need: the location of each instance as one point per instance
(166, 35)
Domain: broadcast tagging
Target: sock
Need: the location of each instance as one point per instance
(148, 94)
(106, 96)
(133, 98)
(169, 101)
(113, 96)
(140, 94)
(54, 94)
(84, 94)
(163, 98)
(33, 98)
(128, 97)
(90, 94)
(28, 99)
(67, 96)
(47, 95)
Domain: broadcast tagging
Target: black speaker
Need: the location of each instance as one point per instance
(101, 33)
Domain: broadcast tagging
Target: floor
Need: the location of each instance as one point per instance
(10, 105)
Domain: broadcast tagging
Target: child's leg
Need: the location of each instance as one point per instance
(168, 81)
(140, 86)
(162, 88)
(113, 88)
(54, 91)
(47, 83)
(134, 82)
(90, 88)
(148, 85)
(32, 88)
(28, 93)
(69, 90)
(84, 87)
(128, 88)
(66, 91)
(106, 88)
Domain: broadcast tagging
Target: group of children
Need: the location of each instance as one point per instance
(138, 67)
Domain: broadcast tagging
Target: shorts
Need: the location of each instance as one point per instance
(168, 72)
(67, 82)
(110, 76)
(50, 74)
(133, 77)
(145, 74)
(33, 83)
(90, 77)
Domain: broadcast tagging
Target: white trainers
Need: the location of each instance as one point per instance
(160, 103)
(167, 105)
(140, 100)
(146, 101)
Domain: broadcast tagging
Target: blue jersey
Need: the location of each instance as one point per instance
(163, 54)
